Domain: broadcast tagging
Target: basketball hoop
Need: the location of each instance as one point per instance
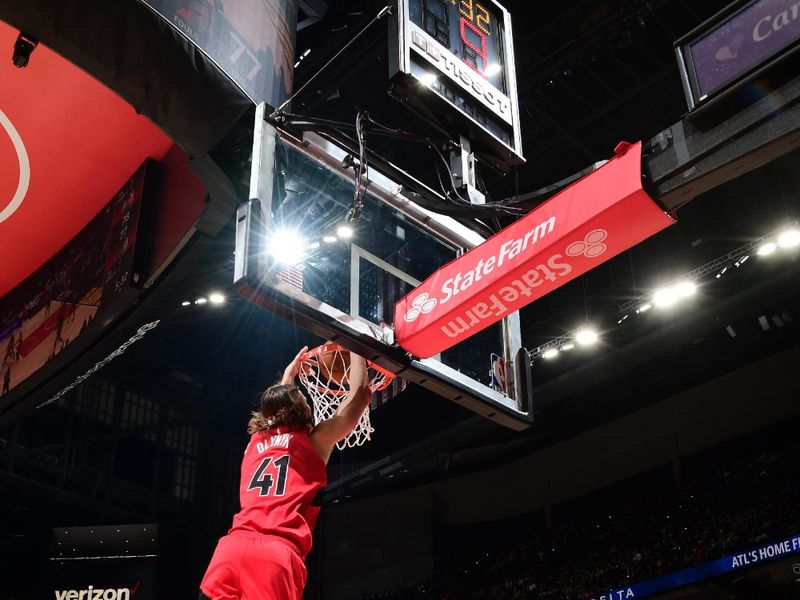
(325, 373)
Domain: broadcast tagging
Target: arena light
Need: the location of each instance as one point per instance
(550, 353)
(567, 347)
(684, 289)
(302, 57)
(329, 239)
(287, 246)
(665, 297)
(644, 307)
(345, 232)
(313, 245)
(185, 303)
(216, 298)
(201, 300)
(766, 249)
(789, 238)
(586, 336)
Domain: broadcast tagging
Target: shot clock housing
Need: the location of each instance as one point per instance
(452, 62)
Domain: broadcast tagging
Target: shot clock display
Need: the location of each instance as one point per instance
(454, 65)
(469, 29)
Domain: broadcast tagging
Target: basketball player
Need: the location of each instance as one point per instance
(283, 472)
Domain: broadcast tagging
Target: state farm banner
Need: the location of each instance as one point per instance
(581, 227)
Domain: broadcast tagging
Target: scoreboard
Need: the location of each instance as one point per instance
(453, 62)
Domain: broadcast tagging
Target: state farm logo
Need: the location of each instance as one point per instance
(9, 205)
(542, 272)
(422, 304)
(591, 246)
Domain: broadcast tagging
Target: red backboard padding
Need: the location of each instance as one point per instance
(579, 228)
(80, 143)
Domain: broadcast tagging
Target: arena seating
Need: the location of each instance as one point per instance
(731, 498)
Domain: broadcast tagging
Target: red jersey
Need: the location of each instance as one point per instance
(282, 476)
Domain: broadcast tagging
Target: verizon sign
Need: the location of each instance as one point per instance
(584, 225)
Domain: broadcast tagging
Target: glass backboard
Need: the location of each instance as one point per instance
(297, 257)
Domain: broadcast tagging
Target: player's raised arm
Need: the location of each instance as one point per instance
(290, 372)
(328, 433)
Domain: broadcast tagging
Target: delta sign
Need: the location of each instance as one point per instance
(581, 227)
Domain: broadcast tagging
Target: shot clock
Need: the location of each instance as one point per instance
(469, 29)
(453, 62)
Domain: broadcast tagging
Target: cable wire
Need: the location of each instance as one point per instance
(384, 11)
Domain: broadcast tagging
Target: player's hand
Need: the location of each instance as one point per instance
(293, 367)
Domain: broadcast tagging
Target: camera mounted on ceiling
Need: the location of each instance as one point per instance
(23, 48)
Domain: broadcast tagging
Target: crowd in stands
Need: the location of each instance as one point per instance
(622, 536)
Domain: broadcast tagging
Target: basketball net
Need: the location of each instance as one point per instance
(327, 383)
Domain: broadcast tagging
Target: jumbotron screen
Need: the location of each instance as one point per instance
(470, 30)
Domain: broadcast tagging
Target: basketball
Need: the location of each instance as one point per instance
(333, 364)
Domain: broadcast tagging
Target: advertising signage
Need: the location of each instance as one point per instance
(735, 45)
(578, 229)
(253, 42)
(727, 564)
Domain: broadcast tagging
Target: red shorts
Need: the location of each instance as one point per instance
(252, 566)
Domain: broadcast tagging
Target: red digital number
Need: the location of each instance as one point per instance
(482, 52)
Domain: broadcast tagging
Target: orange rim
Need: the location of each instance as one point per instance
(333, 347)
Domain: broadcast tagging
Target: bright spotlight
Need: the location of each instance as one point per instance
(201, 301)
(789, 238)
(216, 298)
(586, 337)
(685, 289)
(287, 246)
(665, 297)
(185, 303)
(568, 346)
(492, 69)
(767, 249)
(550, 353)
(427, 79)
(645, 307)
(344, 232)
(314, 245)
(329, 239)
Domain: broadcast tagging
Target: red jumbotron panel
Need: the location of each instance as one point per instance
(581, 227)
(67, 145)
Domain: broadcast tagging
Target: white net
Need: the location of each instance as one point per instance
(324, 372)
